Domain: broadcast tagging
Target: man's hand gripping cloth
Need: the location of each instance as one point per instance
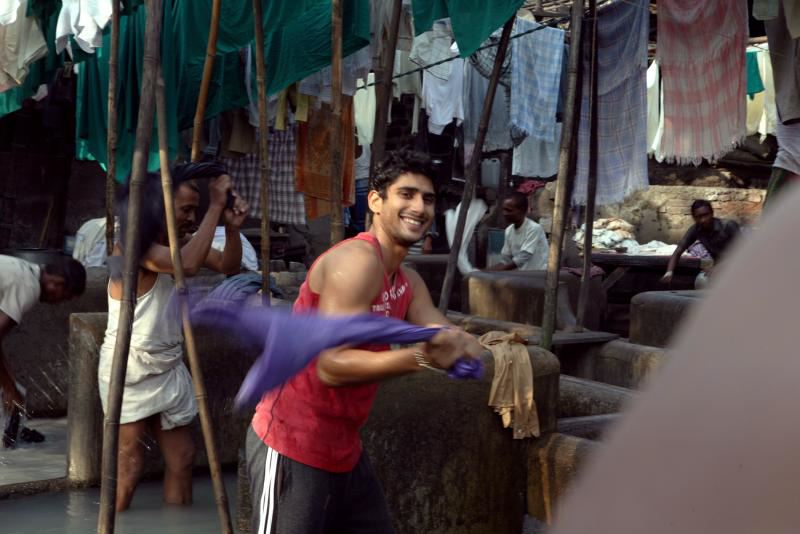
(701, 52)
(289, 342)
(512, 387)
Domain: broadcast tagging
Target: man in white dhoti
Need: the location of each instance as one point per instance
(158, 396)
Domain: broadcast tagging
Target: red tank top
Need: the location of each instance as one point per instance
(312, 423)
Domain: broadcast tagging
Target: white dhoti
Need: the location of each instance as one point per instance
(156, 380)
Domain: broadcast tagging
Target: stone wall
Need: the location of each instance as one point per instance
(662, 212)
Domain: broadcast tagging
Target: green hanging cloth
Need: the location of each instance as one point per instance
(754, 82)
(297, 37)
(183, 50)
(473, 20)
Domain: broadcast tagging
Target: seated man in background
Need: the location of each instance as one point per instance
(525, 247)
(714, 234)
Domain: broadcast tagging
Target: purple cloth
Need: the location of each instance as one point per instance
(289, 342)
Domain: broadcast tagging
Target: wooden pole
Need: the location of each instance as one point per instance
(263, 147)
(205, 82)
(130, 270)
(337, 144)
(565, 169)
(383, 89)
(474, 166)
(220, 496)
(591, 182)
(111, 143)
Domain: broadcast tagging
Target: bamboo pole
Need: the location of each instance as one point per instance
(220, 496)
(263, 147)
(591, 182)
(111, 142)
(144, 130)
(474, 166)
(337, 144)
(565, 168)
(205, 82)
(383, 89)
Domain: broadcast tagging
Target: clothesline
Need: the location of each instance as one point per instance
(553, 23)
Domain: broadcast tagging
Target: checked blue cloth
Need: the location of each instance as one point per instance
(535, 81)
(621, 105)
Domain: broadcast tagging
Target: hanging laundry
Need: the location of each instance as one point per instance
(655, 111)
(313, 166)
(535, 158)
(473, 20)
(85, 20)
(40, 72)
(286, 205)
(364, 109)
(769, 117)
(511, 395)
(21, 44)
(765, 9)
(475, 212)
(785, 56)
(484, 59)
(621, 105)
(497, 136)
(536, 60)
(297, 37)
(703, 77)
(753, 75)
(8, 12)
(443, 99)
(432, 48)
(289, 342)
(319, 84)
(183, 51)
(380, 27)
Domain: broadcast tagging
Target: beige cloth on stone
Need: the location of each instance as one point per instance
(512, 386)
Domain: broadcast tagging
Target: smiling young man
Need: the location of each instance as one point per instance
(308, 472)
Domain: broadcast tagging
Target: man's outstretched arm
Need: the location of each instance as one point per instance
(351, 290)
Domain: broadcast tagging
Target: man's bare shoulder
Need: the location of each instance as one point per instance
(353, 264)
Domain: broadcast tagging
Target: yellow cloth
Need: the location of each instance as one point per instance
(512, 386)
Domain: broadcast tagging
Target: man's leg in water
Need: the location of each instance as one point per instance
(130, 461)
(178, 449)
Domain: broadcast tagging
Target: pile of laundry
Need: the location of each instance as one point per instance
(618, 235)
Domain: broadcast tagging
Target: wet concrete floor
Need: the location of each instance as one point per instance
(75, 512)
(36, 461)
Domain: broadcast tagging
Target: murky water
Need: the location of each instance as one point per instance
(75, 512)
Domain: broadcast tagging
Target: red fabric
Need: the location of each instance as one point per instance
(312, 423)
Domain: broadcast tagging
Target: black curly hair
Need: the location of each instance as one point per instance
(400, 162)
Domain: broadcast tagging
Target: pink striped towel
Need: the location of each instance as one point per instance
(701, 52)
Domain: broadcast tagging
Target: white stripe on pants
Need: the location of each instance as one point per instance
(268, 493)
